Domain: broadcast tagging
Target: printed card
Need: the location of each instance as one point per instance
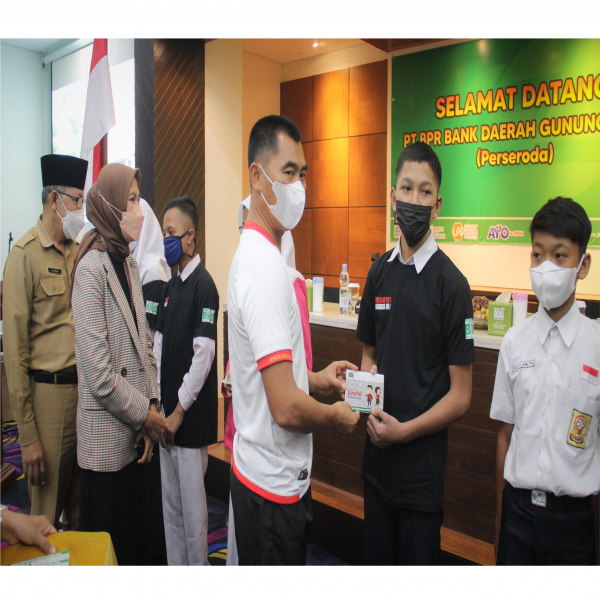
(364, 391)
(60, 559)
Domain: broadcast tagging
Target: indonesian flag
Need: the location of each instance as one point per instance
(99, 113)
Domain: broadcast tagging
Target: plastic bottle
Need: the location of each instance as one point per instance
(318, 290)
(519, 308)
(344, 292)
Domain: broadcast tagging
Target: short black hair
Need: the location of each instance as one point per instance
(263, 137)
(563, 218)
(420, 152)
(188, 207)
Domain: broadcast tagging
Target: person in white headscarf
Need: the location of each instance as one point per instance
(149, 251)
(297, 279)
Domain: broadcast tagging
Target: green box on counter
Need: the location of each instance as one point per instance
(499, 318)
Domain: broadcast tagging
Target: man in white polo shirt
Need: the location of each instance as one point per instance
(273, 412)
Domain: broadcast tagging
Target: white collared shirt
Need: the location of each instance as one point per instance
(420, 257)
(189, 268)
(547, 386)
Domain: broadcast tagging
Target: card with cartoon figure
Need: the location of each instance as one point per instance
(364, 391)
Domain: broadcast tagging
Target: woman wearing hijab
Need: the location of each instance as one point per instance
(118, 390)
(149, 252)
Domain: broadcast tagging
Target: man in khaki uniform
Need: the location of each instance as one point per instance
(39, 342)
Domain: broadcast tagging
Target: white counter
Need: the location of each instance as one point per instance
(330, 317)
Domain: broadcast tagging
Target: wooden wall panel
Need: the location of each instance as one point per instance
(302, 235)
(297, 104)
(179, 126)
(308, 156)
(361, 281)
(329, 240)
(330, 105)
(143, 54)
(367, 177)
(366, 236)
(368, 91)
(330, 167)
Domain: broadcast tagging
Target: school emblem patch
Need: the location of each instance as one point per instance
(578, 430)
(468, 329)
(208, 316)
(152, 307)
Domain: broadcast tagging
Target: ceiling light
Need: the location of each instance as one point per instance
(315, 44)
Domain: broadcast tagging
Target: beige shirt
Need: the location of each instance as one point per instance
(39, 333)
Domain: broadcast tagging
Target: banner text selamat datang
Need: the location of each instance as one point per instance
(558, 92)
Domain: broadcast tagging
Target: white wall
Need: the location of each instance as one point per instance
(25, 136)
(261, 79)
(223, 85)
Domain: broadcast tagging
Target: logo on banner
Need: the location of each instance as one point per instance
(502, 232)
(458, 232)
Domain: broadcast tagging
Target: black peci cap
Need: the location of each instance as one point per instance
(59, 169)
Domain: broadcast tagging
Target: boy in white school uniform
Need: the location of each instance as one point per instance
(547, 397)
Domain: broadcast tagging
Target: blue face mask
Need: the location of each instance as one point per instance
(173, 249)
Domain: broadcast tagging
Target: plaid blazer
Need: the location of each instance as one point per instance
(115, 364)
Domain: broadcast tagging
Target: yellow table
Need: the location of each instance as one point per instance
(87, 549)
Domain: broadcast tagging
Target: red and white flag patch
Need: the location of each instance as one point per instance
(590, 374)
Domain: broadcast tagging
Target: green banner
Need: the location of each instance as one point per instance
(514, 123)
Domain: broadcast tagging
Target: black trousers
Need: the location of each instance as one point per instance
(117, 502)
(396, 536)
(532, 535)
(268, 533)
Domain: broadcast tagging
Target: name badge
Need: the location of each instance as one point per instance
(54, 271)
(538, 498)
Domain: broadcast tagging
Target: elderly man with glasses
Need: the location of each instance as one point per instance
(39, 342)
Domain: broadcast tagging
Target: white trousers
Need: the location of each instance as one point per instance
(232, 555)
(184, 504)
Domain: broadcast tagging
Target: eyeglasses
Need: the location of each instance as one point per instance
(78, 199)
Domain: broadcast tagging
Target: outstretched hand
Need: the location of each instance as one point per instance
(27, 530)
(331, 381)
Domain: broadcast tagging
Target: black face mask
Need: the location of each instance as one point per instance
(413, 221)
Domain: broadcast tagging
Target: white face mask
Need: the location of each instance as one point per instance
(552, 284)
(290, 202)
(73, 222)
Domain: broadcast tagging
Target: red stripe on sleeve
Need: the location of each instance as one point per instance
(281, 356)
(593, 372)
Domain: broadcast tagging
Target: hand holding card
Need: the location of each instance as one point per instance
(364, 391)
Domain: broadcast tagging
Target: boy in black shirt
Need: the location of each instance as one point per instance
(187, 376)
(416, 327)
